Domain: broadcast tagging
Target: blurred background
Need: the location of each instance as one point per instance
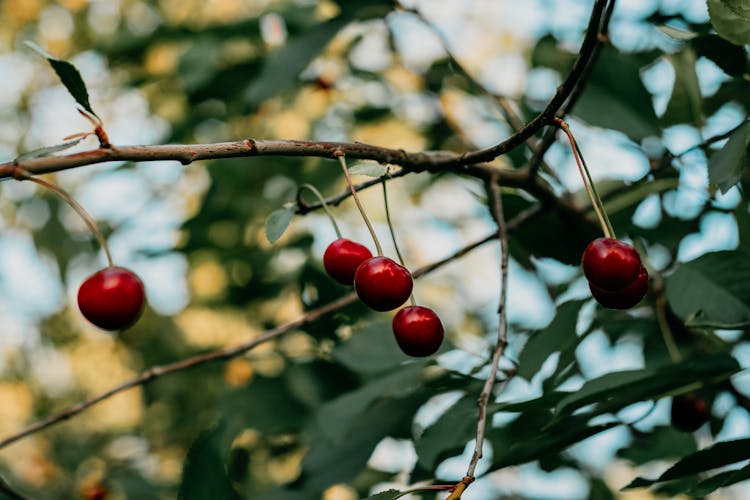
(203, 71)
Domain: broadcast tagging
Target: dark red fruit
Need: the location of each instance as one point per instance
(112, 298)
(624, 298)
(382, 284)
(689, 412)
(418, 331)
(342, 258)
(610, 264)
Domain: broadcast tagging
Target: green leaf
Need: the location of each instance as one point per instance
(370, 350)
(546, 401)
(560, 333)
(281, 68)
(334, 418)
(726, 165)
(329, 462)
(616, 98)
(266, 404)
(731, 19)
(368, 169)
(727, 478)
(686, 103)
(638, 193)
(712, 290)
(46, 151)
(385, 495)
(677, 33)
(69, 76)
(600, 491)
(718, 455)
(663, 442)
(203, 475)
(545, 443)
(278, 221)
(618, 389)
(449, 434)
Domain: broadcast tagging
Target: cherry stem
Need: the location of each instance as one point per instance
(323, 203)
(21, 174)
(342, 161)
(390, 227)
(588, 182)
(666, 331)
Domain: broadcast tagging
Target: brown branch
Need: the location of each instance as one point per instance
(502, 331)
(230, 352)
(303, 207)
(510, 115)
(589, 49)
(432, 161)
(602, 37)
(517, 124)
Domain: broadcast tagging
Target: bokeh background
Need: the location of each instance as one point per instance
(191, 71)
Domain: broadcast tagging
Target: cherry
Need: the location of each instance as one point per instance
(624, 298)
(112, 298)
(610, 264)
(342, 258)
(688, 412)
(382, 284)
(418, 330)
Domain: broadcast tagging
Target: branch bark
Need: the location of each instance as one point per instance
(496, 207)
(432, 161)
(602, 37)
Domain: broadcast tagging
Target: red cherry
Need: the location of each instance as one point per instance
(382, 284)
(112, 298)
(688, 412)
(610, 264)
(624, 298)
(342, 258)
(418, 331)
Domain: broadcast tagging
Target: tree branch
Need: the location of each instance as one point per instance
(602, 37)
(497, 212)
(432, 161)
(231, 352)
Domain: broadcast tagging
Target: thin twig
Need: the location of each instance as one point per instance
(304, 207)
(227, 353)
(516, 124)
(502, 341)
(549, 137)
(591, 40)
(510, 115)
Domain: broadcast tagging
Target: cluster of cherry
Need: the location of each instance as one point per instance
(382, 284)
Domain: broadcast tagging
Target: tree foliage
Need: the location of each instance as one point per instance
(328, 405)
